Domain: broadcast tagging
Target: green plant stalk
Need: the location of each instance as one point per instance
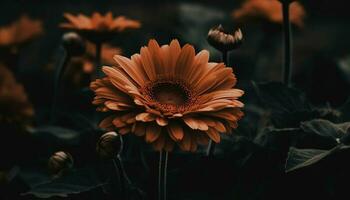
(287, 68)
(59, 71)
(98, 68)
(162, 175)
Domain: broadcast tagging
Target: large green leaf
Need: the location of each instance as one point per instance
(326, 128)
(300, 158)
(73, 183)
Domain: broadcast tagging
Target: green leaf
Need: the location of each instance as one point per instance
(300, 158)
(280, 98)
(326, 128)
(73, 183)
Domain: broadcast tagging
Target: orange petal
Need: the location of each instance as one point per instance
(152, 132)
(196, 123)
(214, 135)
(185, 143)
(159, 143)
(175, 131)
(139, 129)
(145, 117)
(161, 121)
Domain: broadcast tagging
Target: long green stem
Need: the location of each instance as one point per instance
(59, 71)
(98, 71)
(121, 183)
(162, 175)
(287, 70)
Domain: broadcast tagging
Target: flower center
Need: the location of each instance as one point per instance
(170, 93)
(169, 96)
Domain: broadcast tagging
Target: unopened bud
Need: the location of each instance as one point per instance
(59, 162)
(74, 44)
(109, 145)
(222, 41)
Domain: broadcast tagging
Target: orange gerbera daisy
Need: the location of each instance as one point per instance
(15, 108)
(270, 10)
(20, 31)
(99, 27)
(169, 95)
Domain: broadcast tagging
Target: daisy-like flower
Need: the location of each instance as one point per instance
(20, 31)
(169, 95)
(15, 108)
(99, 27)
(270, 10)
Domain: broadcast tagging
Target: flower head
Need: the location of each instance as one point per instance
(20, 31)
(15, 108)
(222, 41)
(270, 10)
(169, 95)
(109, 145)
(59, 162)
(74, 44)
(98, 25)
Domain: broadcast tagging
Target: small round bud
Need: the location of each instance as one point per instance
(109, 145)
(74, 44)
(59, 162)
(222, 41)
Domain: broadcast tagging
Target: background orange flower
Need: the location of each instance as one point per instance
(20, 31)
(270, 10)
(14, 105)
(100, 23)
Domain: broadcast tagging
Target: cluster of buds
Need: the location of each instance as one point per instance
(60, 162)
(109, 145)
(223, 41)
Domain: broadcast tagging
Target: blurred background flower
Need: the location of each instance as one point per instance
(98, 27)
(15, 108)
(270, 10)
(20, 31)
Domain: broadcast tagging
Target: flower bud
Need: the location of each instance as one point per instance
(109, 145)
(59, 162)
(222, 41)
(74, 44)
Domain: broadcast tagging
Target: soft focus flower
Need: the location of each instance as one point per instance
(169, 95)
(270, 10)
(80, 68)
(14, 105)
(98, 25)
(59, 162)
(20, 31)
(222, 41)
(109, 145)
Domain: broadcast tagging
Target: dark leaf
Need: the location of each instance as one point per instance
(73, 183)
(281, 99)
(275, 138)
(57, 134)
(300, 158)
(326, 128)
